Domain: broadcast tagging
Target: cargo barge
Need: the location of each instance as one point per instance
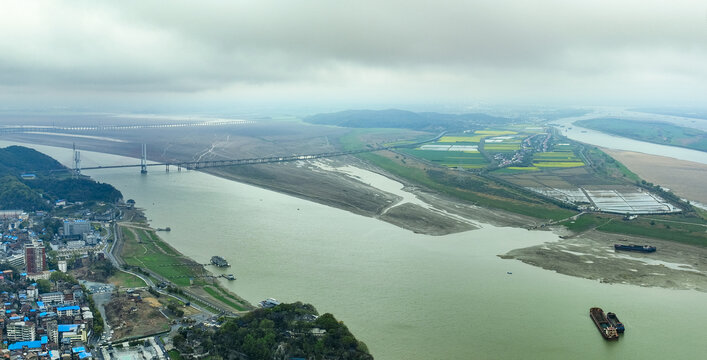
(632, 247)
(603, 325)
(219, 261)
(614, 321)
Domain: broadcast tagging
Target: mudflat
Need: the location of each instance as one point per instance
(684, 178)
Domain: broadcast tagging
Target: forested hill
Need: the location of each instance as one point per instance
(39, 193)
(287, 331)
(402, 119)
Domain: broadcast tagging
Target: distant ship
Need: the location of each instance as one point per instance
(632, 247)
(269, 303)
(219, 261)
(614, 320)
(607, 330)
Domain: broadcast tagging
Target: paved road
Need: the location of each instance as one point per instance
(118, 263)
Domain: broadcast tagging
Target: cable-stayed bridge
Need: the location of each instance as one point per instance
(202, 164)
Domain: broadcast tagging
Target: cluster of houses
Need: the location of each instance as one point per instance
(49, 325)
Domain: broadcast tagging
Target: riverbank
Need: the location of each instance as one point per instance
(140, 249)
(685, 178)
(591, 255)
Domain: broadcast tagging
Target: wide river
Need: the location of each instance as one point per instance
(408, 296)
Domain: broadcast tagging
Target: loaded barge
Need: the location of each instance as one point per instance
(614, 320)
(632, 247)
(219, 261)
(607, 330)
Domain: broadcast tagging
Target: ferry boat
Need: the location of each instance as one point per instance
(632, 247)
(219, 261)
(269, 303)
(605, 328)
(614, 320)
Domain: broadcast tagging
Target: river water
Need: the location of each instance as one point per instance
(408, 296)
(597, 138)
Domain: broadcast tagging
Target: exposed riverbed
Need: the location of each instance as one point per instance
(407, 295)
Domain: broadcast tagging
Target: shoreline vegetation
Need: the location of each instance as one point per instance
(143, 251)
(655, 132)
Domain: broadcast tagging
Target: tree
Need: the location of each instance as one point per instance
(44, 286)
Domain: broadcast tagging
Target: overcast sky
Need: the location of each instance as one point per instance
(202, 53)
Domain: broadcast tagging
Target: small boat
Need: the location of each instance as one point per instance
(269, 303)
(605, 328)
(614, 320)
(219, 261)
(229, 277)
(632, 247)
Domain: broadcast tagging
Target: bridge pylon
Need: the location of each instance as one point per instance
(143, 160)
(77, 163)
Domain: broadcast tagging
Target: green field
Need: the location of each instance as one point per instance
(502, 147)
(143, 248)
(654, 132)
(463, 159)
(124, 279)
(667, 227)
(225, 298)
(557, 159)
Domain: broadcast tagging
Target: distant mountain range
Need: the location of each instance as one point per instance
(402, 119)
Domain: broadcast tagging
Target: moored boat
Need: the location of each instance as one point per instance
(605, 328)
(632, 247)
(269, 303)
(614, 321)
(219, 261)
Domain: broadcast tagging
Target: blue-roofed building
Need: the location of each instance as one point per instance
(29, 344)
(78, 349)
(68, 327)
(68, 310)
(85, 355)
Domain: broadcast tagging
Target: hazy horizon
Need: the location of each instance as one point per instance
(136, 55)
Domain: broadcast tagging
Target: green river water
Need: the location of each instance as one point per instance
(408, 296)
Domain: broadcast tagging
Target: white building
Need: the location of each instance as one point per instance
(76, 227)
(21, 331)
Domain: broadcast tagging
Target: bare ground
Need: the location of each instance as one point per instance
(684, 178)
(591, 255)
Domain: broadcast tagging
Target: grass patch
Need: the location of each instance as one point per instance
(174, 354)
(224, 298)
(126, 280)
(147, 253)
(586, 222)
(558, 164)
(532, 207)
(659, 229)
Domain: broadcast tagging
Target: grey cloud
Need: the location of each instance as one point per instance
(498, 47)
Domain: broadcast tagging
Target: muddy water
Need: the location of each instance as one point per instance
(597, 138)
(408, 296)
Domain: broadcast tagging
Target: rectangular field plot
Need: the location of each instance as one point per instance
(575, 196)
(463, 139)
(470, 148)
(558, 164)
(459, 158)
(502, 147)
(557, 159)
(629, 202)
